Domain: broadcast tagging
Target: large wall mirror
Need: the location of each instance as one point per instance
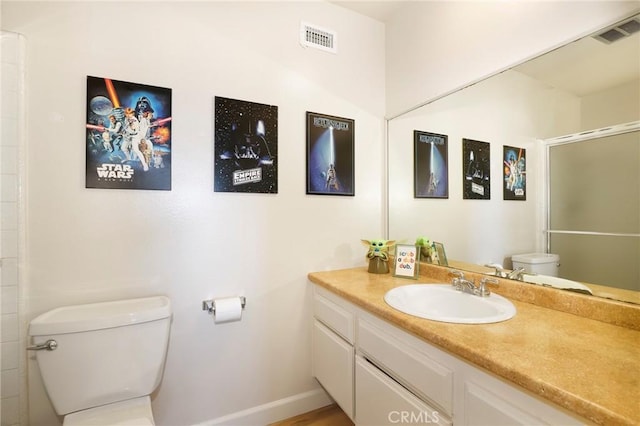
(590, 84)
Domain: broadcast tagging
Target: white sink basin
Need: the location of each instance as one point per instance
(441, 302)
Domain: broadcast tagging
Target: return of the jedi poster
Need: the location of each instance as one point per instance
(430, 165)
(330, 155)
(246, 147)
(128, 135)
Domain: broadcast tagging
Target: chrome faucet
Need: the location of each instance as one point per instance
(462, 284)
(482, 290)
(516, 274)
(500, 272)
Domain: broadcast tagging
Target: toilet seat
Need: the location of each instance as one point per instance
(132, 412)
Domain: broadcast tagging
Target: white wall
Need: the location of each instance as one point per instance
(617, 105)
(191, 243)
(435, 47)
(509, 109)
(12, 116)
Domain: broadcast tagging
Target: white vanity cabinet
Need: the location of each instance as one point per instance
(381, 375)
(333, 350)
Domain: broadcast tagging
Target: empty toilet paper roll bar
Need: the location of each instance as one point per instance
(210, 305)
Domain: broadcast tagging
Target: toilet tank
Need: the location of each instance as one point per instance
(537, 263)
(107, 352)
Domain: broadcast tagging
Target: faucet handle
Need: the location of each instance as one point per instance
(457, 274)
(499, 270)
(459, 277)
(482, 288)
(516, 274)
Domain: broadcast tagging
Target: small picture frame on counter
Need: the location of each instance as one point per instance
(406, 261)
(441, 258)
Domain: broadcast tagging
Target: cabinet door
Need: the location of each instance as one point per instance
(333, 365)
(484, 408)
(382, 401)
(487, 402)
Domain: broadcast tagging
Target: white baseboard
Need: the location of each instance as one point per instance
(274, 411)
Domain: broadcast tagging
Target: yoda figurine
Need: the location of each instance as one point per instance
(378, 255)
(427, 249)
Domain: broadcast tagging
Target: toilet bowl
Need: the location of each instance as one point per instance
(105, 360)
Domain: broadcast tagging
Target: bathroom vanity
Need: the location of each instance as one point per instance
(543, 366)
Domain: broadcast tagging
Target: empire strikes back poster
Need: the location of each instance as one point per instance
(246, 147)
(128, 135)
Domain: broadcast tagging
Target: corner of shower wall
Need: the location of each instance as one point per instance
(12, 145)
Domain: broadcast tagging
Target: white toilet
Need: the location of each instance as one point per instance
(537, 263)
(106, 361)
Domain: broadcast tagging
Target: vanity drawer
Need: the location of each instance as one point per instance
(334, 316)
(413, 369)
(382, 401)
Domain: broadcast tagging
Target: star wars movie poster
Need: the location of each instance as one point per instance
(128, 135)
(514, 173)
(475, 170)
(246, 147)
(330, 155)
(431, 172)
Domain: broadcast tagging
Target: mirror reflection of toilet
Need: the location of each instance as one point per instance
(100, 362)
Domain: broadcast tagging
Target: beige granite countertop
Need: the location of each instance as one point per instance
(587, 366)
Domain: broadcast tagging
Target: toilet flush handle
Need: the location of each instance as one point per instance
(49, 345)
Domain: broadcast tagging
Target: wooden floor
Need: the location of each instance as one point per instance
(330, 415)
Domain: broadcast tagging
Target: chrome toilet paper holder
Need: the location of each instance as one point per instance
(209, 305)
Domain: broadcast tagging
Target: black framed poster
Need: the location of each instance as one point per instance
(330, 155)
(246, 147)
(430, 165)
(514, 173)
(128, 135)
(476, 176)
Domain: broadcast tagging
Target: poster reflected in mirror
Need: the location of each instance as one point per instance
(430, 165)
(330, 155)
(514, 173)
(476, 177)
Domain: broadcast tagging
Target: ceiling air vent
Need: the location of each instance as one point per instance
(619, 31)
(319, 38)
